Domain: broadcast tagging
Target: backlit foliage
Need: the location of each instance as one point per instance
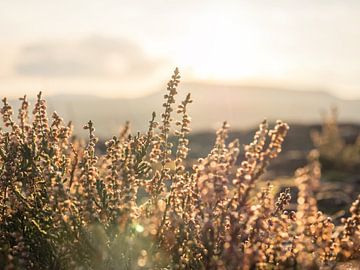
(334, 151)
(64, 206)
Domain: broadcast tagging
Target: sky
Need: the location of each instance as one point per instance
(117, 48)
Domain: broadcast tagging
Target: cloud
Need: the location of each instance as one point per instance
(91, 57)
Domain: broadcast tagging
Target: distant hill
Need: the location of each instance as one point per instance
(243, 107)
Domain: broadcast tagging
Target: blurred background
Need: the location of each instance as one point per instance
(110, 60)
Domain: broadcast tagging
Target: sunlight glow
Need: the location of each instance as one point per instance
(132, 50)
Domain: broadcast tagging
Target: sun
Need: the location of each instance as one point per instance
(218, 49)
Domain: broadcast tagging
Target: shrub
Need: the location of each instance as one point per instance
(65, 207)
(334, 152)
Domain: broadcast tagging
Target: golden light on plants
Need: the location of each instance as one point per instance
(64, 205)
(105, 164)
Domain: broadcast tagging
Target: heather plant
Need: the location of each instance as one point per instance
(64, 206)
(334, 151)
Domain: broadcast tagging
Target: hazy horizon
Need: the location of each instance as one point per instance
(186, 87)
(130, 48)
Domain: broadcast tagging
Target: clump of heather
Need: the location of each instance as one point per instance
(64, 206)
